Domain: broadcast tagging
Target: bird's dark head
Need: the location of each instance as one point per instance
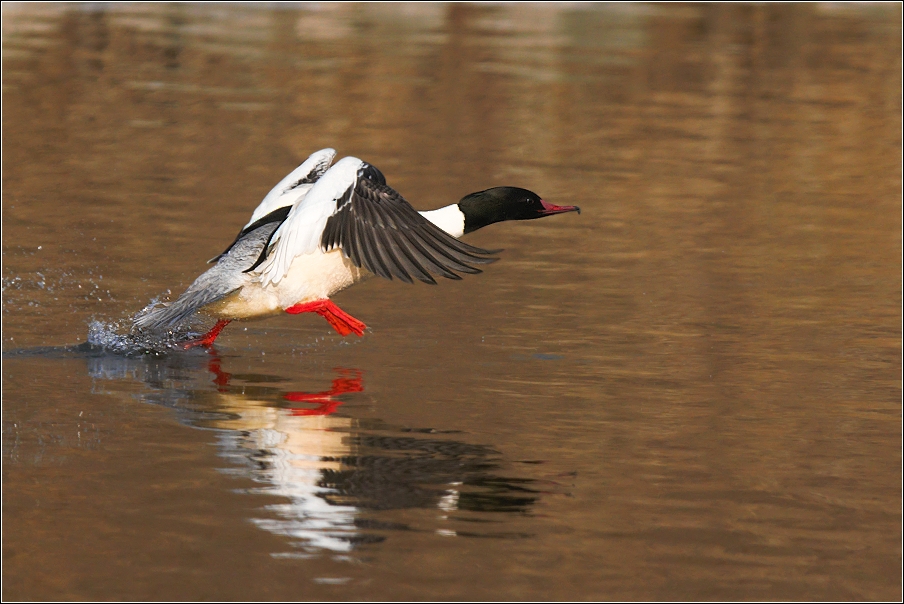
(506, 203)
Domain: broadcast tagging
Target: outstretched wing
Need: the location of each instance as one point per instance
(352, 208)
(289, 189)
(277, 203)
(380, 231)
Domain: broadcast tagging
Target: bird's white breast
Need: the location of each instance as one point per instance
(316, 276)
(310, 277)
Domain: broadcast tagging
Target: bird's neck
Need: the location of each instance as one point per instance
(450, 219)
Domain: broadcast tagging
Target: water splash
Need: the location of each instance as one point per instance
(118, 337)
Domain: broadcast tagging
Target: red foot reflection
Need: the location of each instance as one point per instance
(221, 378)
(349, 380)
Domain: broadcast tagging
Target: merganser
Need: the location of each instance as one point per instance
(321, 230)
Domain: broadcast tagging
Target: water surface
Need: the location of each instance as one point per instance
(690, 391)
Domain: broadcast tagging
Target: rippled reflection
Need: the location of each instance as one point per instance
(333, 472)
(290, 449)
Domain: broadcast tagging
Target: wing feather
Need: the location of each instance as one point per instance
(287, 192)
(399, 242)
(410, 261)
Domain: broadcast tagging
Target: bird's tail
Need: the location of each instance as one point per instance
(210, 287)
(221, 280)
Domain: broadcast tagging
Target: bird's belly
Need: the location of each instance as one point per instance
(317, 276)
(311, 277)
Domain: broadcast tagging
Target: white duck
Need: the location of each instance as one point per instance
(322, 230)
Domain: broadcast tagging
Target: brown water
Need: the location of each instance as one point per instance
(690, 391)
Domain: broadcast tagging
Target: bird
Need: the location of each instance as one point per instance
(324, 228)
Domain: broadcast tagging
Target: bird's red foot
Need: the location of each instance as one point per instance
(207, 339)
(341, 321)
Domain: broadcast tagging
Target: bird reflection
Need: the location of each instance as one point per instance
(332, 474)
(291, 448)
